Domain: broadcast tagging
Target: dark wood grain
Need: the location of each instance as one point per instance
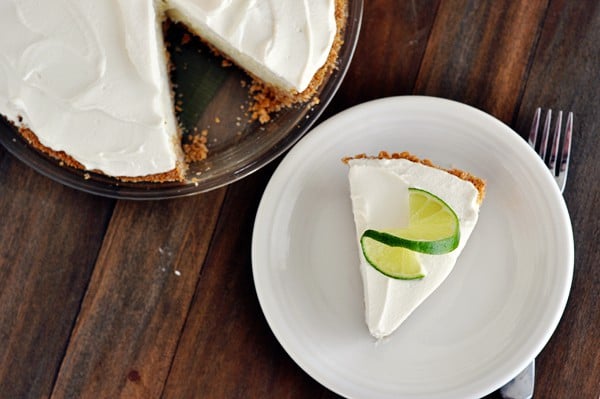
(567, 61)
(104, 298)
(478, 53)
(50, 238)
(390, 69)
(138, 298)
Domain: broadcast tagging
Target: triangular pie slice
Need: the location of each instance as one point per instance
(377, 184)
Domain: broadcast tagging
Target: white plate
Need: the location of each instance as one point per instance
(493, 314)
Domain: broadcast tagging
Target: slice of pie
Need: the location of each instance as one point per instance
(379, 188)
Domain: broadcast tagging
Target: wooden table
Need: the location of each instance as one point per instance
(102, 298)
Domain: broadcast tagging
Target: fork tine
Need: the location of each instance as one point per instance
(534, 127)
(560, 153)
(566, 151)
(545, 134)
(555, 143)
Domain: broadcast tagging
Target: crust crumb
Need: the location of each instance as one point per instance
(196, 149)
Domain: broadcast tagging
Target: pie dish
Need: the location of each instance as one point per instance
(213, 98)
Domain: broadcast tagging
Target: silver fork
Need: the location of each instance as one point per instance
(557, 161)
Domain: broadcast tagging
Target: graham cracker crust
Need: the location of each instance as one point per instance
(476, 181)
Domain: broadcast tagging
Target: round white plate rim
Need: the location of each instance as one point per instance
(284, 174)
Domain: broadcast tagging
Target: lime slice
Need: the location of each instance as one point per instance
(395, 262)
(433, 229)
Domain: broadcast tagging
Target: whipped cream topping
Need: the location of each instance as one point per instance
(89, 78)
(388, 302)
(282, 42)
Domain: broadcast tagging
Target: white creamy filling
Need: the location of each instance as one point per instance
(280, 42)
(388, 302)
(89, 77)
(85, 77)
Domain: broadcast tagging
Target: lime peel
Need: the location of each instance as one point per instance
(433, 229)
